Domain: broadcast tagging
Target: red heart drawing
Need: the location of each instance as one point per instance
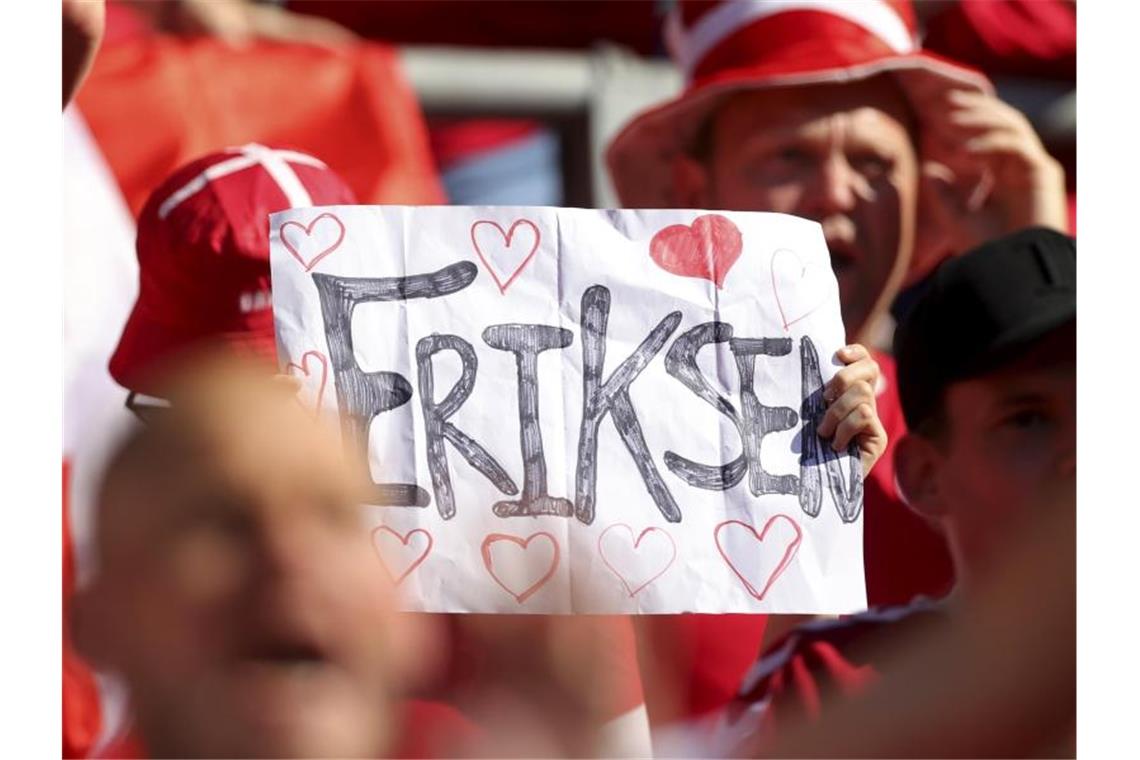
(409, 565)
(785, 560)
(303, 368)
(798, 284)
(524, 544)
(636, 544)
(708, 248)
(308, 241)
(498, 251)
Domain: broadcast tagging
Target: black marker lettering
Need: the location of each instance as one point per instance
(363, 396)
(438, 429)
(760, 420)
(527, 342)
(599, 399)
(813, 451)
(681, 363)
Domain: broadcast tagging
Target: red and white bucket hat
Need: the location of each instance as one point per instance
(203, 250)
(729, 46)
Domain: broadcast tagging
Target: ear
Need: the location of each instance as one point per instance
(918, 467)
(691, 185)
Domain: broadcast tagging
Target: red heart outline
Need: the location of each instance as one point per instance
(507, 236)
(303, 367)
(403, 540)
(636, 543)
(308, 232)
(529, 591)
(789, 552)
(708, 248)
(776, 290)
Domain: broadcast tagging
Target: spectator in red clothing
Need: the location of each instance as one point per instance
(987, 377)
(236, 590)
(203, 248)
(833, 113)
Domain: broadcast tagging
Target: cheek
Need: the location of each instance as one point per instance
(880, 225)
(987, 489)
(365, 597)
(170, 637)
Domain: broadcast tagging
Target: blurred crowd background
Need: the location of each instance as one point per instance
(495, 103)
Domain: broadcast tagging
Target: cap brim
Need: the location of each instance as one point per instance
(639, 157)
(1019, 339)
(147, 347)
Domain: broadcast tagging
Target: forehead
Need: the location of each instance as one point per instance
(873, 108)
(1049, 368)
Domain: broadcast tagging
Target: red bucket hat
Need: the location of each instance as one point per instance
(729, 46)
(203, 250)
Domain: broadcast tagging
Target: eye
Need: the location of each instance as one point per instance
(784, 164)
(1025, 419)
(871, 165)
(792, 156)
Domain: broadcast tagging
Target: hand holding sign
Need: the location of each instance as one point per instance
(530, 384)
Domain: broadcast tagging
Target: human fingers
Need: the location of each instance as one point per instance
(852, 353)
(865, 370)
(861, 392)
(860, 421)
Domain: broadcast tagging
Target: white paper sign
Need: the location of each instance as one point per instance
(581, 411)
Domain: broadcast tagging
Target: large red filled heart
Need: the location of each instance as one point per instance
(707, 248)
(757, 565)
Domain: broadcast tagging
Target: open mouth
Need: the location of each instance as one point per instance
(285, 654)
(844, 256)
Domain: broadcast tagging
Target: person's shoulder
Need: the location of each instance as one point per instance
(835, 651)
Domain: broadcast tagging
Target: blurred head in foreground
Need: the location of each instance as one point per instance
(236, 593)
(987, 377)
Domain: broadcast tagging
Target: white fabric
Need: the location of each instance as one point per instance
(100, 283)
(275, 162)
(690, 46)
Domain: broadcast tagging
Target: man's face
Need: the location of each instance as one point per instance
(841, 155)
(1010, 443)
(255, 619)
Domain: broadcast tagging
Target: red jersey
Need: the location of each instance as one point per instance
(817, 662)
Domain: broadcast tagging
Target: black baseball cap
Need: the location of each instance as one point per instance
(979, 310)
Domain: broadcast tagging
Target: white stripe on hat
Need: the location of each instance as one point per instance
(689, 47)
(275, 163)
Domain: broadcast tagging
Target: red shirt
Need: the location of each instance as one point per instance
(820, 661)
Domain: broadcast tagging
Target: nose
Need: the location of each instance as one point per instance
(286, 550)
(836, 188)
